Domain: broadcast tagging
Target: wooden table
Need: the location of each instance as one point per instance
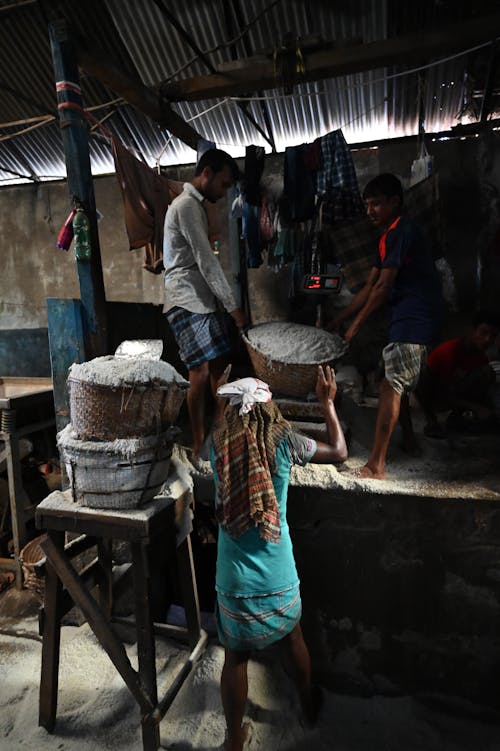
(144, 528)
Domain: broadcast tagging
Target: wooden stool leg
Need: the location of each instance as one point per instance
(51, 642)
(187, 577)
(104, 552)
(146, 650)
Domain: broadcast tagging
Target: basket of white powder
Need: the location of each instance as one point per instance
(120, 474)
(287, 355)
(112, 397)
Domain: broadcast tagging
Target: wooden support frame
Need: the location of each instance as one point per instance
(65, 585)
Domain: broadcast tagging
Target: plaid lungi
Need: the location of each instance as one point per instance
(403, 364)
(256, 622)
(200, 336)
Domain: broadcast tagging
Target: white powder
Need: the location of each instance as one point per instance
(295, 343)
(437, 476)
(116, 371)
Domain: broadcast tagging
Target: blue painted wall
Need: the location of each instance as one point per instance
(24, 352)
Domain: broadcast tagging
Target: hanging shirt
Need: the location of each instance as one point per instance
(416, 303)
(194, 278)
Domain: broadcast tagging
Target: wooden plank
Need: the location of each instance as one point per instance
(179, 679)
(105, 576)
(58, 511)
(146, 650)
(100, 626)
(49, 678)
(137, 94)
(250, 75)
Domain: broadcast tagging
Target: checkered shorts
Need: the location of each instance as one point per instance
(403, 364)
(200, 336)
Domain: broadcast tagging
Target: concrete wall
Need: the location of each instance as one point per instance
(34, 269)
(400, 593)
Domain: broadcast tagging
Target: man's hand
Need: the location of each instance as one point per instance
(326, 385)
(239, 318)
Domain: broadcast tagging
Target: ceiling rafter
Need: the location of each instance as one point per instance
(243, 106)
(238, 78)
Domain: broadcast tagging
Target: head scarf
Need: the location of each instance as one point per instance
(245, 459)
(247, 392)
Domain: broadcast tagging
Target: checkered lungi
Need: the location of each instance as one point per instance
(246, 623)
(403, 364)
(200, 336)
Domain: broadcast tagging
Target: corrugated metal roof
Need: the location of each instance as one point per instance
(136, 33)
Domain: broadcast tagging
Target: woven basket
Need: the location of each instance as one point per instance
(289, 379)
(105, 413)
(33, 574)
(101, 476)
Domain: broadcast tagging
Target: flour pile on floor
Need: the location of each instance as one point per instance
(97, 712)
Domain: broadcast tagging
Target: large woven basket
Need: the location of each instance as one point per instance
(111, 475)
(31, 558)
(105, 413)
(285, 379)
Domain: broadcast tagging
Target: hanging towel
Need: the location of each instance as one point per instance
(146, 196)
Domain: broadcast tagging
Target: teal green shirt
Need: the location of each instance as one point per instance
(248, 565)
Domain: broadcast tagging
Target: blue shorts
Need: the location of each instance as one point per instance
(246, 623)
(200, 336)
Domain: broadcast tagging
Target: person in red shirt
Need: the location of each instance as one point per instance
(458, 377)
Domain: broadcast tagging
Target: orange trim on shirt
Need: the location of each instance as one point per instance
(382, 242)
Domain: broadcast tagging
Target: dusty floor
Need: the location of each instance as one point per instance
(96, 711)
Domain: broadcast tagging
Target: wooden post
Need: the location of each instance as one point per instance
(76, 149)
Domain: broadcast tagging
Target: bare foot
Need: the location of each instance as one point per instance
(368, 474)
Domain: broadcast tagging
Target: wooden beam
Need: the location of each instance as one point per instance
(250, 75)
(131, 88)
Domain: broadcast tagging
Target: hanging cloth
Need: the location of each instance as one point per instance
(146, 196)
(336, 179)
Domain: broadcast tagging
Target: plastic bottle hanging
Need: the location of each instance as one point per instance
(81, 227)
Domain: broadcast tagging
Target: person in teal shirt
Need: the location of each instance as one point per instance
(258, 597)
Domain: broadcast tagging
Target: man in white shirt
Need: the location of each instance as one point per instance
(196, 287)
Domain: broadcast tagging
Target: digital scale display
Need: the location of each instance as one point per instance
(322, 283)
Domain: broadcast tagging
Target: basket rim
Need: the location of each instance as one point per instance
(142, 385)
(285, 362)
